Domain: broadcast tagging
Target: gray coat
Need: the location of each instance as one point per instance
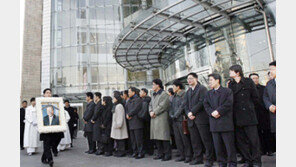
(119, 128)
(159, 128)
(177, 110)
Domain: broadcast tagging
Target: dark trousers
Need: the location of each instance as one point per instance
(163, 148)
(200, 136)
(55, 143)
(91, 143)
(120, 146)
(248, 143)
(71, 129)
(148, 143)
(137, 140)
(22, 128)
(265, 137)
(273, 142)
(108, 147)
(128, 143)
(224, 141)
(48, 143)
(182, 140)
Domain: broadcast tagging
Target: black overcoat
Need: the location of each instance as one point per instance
(269, 98)
(245, 97)
(223, 105)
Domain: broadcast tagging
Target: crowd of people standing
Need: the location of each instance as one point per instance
(207, 125)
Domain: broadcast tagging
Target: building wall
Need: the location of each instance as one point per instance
(31, 81)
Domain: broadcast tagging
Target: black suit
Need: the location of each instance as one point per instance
(222, 128)
(269, 98)
(71, 121)
(97, 118)
(263, 122)
(133, 107)
(148, 143)
(107, 123)
(22, 125)
(245, 97)
(199, 127)
(88, 127)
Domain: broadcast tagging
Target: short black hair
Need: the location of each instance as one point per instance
(158, 82)
(178, 83)
(138, 91)
(193, 74)
(89, 94)
(268, 72)
(116, 95)
(125, 92)
(272, 63)
(237, 68)
(46, 90)
(32, 99)
(171, 91)
(65, 101)
(55, 95)
(98, 94)
(133, 89)
(253, 74)
(25, 101)
(216, 76)
(145, 90)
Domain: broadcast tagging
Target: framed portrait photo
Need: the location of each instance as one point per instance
(50, 115)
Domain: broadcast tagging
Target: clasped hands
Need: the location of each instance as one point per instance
(152, 114)
(128, 117)
(272, 108)
(191, 116)
(215, 114)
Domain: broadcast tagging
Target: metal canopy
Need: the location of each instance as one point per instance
(154, 38)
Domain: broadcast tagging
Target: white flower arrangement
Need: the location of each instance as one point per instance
(57, 104)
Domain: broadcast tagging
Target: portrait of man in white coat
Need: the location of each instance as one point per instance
(31, 135)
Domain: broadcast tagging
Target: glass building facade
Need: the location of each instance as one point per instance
(156, 36)
(82, 35)
(107, 45)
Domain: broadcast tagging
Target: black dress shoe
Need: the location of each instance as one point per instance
(44, 161)
(180, 159)
(158, 157)
(91, 152)
(55, 154)
(195, 162)
(140, 156)
(86, 152)
(269, 154)
(50, 163)
(22, 148)
(107, 154)
(187, 160)
(99, 152)
(166, 158)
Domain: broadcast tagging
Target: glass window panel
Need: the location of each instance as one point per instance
(74, 4)
(100, 12)
(103, 72)
(66, 4)
(59, 6)
(73, 36)
(94, 74)
(81, 13)
(81, 3)
(66, 37)
(93, 49)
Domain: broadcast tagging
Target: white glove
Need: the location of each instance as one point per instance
(74, 125)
